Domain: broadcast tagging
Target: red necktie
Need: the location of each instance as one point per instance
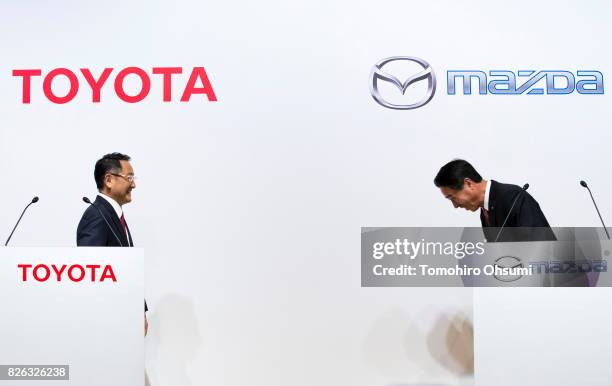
(124, 226)
(485, 214)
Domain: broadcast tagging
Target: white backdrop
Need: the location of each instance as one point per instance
(249, 208)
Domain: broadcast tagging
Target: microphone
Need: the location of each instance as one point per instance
(584, 184)
(525, 187)
(87, 201)
(34, 201)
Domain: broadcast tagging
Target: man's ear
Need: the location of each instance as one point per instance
(468, 183)
(107, 181)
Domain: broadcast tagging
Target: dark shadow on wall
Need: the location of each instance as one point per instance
(173, 341)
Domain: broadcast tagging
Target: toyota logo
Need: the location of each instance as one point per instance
(378, 74)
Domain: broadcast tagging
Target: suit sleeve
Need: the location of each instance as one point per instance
(91, 231)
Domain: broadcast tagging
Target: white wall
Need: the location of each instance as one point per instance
(249, 208)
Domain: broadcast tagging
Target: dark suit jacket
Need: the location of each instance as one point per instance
(94, 232)
(526, 221)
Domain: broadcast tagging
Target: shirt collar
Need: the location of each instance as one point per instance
(486, 197)
(113, 203)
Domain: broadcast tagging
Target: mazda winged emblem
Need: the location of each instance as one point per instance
(379, 74)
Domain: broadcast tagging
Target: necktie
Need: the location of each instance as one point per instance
(485, 214)
(124, 226)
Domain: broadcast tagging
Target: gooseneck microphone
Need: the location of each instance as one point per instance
(525, 187)
(34, 201)
(87, 201)
(584, 184)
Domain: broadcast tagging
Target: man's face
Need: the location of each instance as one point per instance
(119, 185)
(466, 198)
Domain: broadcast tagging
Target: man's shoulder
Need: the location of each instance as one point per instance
(500, 187)
(92, 230)
(92, 215)
(504, 192)
(99, 205)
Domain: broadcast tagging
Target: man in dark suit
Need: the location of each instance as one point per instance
(465, 188)
(103, 223)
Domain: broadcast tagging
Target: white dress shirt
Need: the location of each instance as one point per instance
(486, 197)
(113, 203)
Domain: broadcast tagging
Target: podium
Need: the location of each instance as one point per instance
(73, 315)
(547, 336)
(546, 327)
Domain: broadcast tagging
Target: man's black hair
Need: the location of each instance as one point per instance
(453, 174)
(110, 163)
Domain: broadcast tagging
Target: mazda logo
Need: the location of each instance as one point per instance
(508, 262)
(378, 74)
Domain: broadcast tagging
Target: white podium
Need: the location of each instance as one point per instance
(545, 336)
(76, 309)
